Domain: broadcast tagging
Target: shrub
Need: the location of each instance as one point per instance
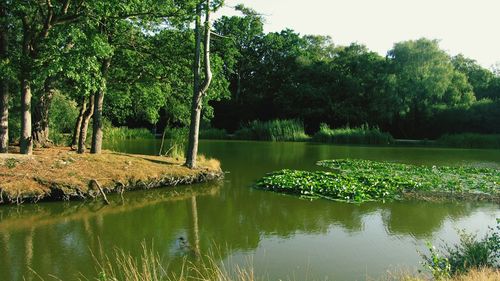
(470, 140)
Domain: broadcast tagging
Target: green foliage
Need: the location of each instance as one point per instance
(63, 113)
(469, 253)
(177, 142)
(360, 135)
(364, 180)
(113, 134)
(470, 140)
(11, 163)
(213, 134)
(275, 130)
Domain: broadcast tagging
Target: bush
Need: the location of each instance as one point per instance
(360, 135)
(470, 253)
(274, 130)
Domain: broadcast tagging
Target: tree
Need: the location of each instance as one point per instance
(37, 19)
(200, 89)
(4, 83)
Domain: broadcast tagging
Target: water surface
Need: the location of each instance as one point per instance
(281, 236)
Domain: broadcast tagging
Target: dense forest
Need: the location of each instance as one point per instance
(130, 63)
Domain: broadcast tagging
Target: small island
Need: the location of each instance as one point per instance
(62, 174)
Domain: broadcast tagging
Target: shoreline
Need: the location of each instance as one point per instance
(59, 174)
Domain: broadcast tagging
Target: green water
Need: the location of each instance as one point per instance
(282, 237)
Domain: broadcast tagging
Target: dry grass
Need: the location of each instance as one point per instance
(483, 274)
(32, 177)
(149, 267)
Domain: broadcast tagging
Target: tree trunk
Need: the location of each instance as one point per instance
(78, 124)
(40, 132)
(199, 90)
(85, 125)
(26, 142)
(4, 85)
(99, 98)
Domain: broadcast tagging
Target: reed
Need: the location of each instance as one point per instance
(274, 130)
(359, 135)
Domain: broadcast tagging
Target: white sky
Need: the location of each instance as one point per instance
(470, 27)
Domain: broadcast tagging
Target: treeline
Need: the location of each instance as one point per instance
(416, 91)
(75, 65)
(71, 65)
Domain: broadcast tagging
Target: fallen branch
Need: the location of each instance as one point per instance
(95, 183)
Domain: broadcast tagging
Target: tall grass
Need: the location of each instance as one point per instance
(125, 133)
(213, 134)
(177, 139)
(275, 130)
(347, 135)
(149, 267)
(470, 140)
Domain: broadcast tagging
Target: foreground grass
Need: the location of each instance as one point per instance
(482, 274)
(61, 174)
(364, 180)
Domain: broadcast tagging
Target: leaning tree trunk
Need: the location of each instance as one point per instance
(41, 110)
(82, 138)
(98, 102)
(78, 124)
(199, 90)
(4, 85)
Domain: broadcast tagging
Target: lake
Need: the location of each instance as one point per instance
(280, 236)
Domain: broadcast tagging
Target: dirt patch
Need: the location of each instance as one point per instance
(62, 174)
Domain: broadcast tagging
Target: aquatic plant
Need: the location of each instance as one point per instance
(274, 130)
(364, 180)
(359, 135)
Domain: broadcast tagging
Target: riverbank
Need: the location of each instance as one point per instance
(57, 174)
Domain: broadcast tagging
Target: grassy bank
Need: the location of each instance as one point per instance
(275, 130)
(61, 174)
(363, 180)
(358, 135)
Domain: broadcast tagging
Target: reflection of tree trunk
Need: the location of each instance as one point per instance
(199, 90)
(78, 124)
(41, 110)
(99, 99)
(85, 125)
(4, 86)
(6, 258)
(196, 234)
(29, 254)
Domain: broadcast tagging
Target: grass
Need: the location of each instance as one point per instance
(275, 130)
(364, 180)
(347, 135)
(112, 134)
(213, 134)
(59, 174)
(470, 140)
(481, 274)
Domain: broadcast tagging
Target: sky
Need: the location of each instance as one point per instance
(469, 27)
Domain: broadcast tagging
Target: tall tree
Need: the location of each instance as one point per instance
(200, 89)
(4, 83)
